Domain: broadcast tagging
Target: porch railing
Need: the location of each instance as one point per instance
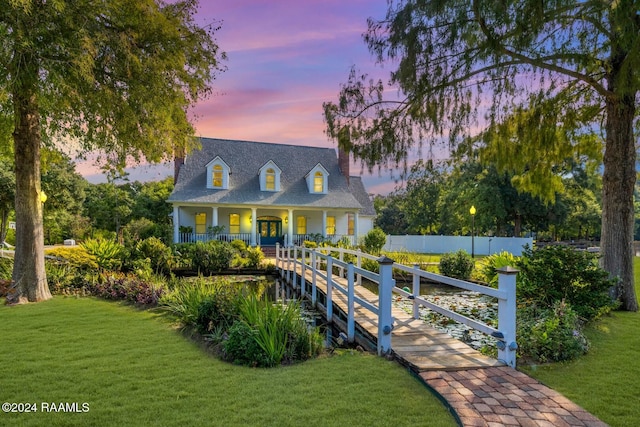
(299, 239)
(225, 237)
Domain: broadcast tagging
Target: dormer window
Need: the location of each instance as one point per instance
(318, 180)
(270, 177)
(218, 174)
(270, 184)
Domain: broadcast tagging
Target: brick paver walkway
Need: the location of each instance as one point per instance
(502, 396)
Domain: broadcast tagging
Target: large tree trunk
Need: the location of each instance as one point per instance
(29, 278)
(618, 183)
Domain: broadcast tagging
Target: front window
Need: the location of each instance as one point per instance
(217, 176)
(331, 225)
(234, 224)
(271, 180)
(318, 182)
(301, 225)
(201, 223)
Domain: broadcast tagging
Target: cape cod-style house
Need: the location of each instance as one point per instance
(266, 193)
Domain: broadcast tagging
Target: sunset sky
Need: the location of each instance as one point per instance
(285, 58)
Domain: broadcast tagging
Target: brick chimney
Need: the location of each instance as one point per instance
(343, 162)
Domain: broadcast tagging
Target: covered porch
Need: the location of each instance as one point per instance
(263, 226)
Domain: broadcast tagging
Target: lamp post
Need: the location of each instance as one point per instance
(472, 211)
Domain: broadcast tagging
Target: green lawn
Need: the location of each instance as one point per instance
(133, 369)
(605, 381)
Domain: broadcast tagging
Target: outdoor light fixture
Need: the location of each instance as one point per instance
(286, 220)
(472, 211)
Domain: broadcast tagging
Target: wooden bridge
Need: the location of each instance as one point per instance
(331, 278)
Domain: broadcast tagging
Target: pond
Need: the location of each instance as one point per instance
(470, 304)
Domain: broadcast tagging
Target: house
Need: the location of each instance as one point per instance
(265, 193)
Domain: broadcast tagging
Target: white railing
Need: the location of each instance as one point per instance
(299, 239)
(225, 237)
(287, 259)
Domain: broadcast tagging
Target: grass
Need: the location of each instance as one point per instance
(605, 381)
(133, 368)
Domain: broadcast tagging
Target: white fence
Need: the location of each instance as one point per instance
(445, 244)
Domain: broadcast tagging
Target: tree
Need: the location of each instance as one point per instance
(390, 214)
(544, 75)
(114, 75)
(108, 205)
(7, 196)
(65, 191)
(422, 193)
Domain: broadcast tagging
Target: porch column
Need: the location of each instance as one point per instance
(324, 223)
(214, 216)
(356, 228)
(290, 228)
(254, 217)
(176, 224)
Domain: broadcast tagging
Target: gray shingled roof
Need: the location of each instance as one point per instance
(245, 160)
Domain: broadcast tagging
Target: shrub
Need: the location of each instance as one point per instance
(4, 287)
(254, 257)
(456, 264)
(239, 245)
(374, 240)
(492, 263)
(6, 268)
(77, 257)
(211, 257)
(550, 334)
(556, 273)
(370, 265)
(108, 253)
(242, 346)
(183, 254)
(310, 244)
(128, 287)
(68, 270)
(158, 253)
(138, 229)
(219, 309)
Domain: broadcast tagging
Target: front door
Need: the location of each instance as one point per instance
(270, 230)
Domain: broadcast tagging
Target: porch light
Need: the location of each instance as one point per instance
(286, 220)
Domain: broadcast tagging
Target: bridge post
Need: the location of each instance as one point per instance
(288, 264)
(351, 322)
(416, 291)
(385, 291)
(329, 289)
(359, 265)
(314, 269)
(278, 266)
(303, 270)
(507, 316)
(295, 267)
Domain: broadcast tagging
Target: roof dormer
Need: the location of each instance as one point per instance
(270, 177)
(218, 174)
(318, 180)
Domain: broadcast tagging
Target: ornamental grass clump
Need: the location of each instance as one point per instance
(184, 300)
(269, 334)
